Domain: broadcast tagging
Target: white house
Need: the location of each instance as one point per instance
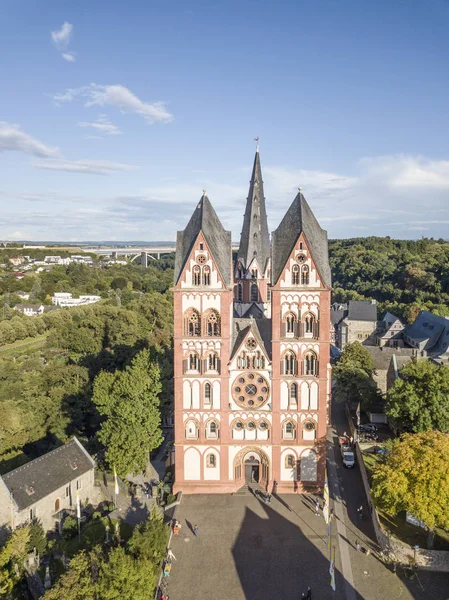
(30, 310)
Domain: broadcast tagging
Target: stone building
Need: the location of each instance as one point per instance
(46, 488)
(251, 350)
(353, 322)
(429, 335)
(390, 332)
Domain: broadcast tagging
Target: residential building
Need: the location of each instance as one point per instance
(23, 295)
(429, 335)
(30, 310)
(389, 331)
(79, 258)
(46, 488)
(64, 299)
(16, 261)
(251, 350)
(353, 322)
(383, 359)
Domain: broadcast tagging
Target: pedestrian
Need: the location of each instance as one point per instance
(309, 594)
(360, 511)
(317, 507)
(331, 513)
(357, 545)
(195, 531)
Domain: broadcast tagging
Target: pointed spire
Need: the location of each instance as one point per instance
(205, 220)
(255, 239)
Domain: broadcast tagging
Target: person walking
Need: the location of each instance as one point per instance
(360, 511)
(317, 507)
(309, 594)
(357, 545)
(195, 531)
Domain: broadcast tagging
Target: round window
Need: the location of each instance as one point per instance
(263, 425)
(201, 259)
(300, 258)
(250, 390)
(309, 426)
(239, 425)
(251, 343)
(251, 425)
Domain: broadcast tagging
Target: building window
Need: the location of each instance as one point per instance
(191, 430)
(254, 273)
(240, 292)
(196, 275)
(295, 275)
(290, 363)
(212, 430)
(212, 323)
(32, 514)
(289, 431)
(192, 323)
(207, 393)
(290, 321)
(254, 292)
(201, 246)
(309, 321)
(310, 364)
(258, 361)
(293, 399)
(212, 361)
(211, 461)
(300, 245)
(78, 484)
(194, 361)
(206, 275)
(68, 491)
(268, 293)
(289, 461)
(305, 275)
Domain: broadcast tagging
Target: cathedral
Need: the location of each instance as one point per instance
(251, 350)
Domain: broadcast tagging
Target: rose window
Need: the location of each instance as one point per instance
(251, 343)
(250, 391)
(201, 259)
(300, 258)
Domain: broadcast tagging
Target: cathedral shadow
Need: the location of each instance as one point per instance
(274, 559)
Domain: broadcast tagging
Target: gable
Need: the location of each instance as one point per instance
(200, 262)
(300, 264)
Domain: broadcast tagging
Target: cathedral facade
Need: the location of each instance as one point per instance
(251, 350)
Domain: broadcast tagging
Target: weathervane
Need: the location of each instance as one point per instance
(256, 139)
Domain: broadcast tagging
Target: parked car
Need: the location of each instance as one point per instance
(347, 455)
(368, 427)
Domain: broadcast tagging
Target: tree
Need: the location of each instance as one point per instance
(414, 477)
(354, 374)
(418, 401)
(129, 401)
(78, 582)
(12, 555)
(149, 539)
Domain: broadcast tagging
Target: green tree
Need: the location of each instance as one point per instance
(79, 582)
(414, 477)
(354, 376)
(12, 555)
(129, 401)
(418, 401)
(149, 539)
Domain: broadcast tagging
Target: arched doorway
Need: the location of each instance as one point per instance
(57, 505)
(252, 465)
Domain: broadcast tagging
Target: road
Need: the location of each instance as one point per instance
(370, 578)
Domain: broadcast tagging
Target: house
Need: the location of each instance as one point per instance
(17, 261)
(56, 260)
(46, 488)
(23, 295)
(30, 310)
(19, 275)
(353, 322)
(389, 331)
(429, 335)
(64, 299)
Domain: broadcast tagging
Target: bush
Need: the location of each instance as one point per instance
(69, 528)
(170, 498)
(96, 515)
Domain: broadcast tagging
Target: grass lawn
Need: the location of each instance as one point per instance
(31, 343)
(94, 532)
(397, 525)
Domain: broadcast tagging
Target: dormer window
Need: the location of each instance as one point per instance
(74, 466)
(29, 490)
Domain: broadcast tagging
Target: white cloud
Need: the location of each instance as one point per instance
(95, 167)
(408, 171)
(120, 97)
(69, 56)
(14, 139)
(17, 235)
(61, 38)
(102, 125)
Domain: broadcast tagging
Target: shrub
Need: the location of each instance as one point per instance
(69, 528)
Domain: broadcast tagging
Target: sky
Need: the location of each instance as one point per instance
(115, 116)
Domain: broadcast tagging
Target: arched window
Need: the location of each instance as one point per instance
(240, 292)
(191, 430)
(268, 293)
(196, 275)
(310, 364)
(305, 275)
(289, 431)
(194, 361)
(192, 323)
(212, 430)
(309, 322)
(294, 393)
(207, 393)
(206, 275)
(212, 361)
(290, 321)
(254, 292)
(212, 323)
(289, 461)
(254, 273)
(211, 461)
(57, 505)
(258, 361)
(290, 363)
(295, 275)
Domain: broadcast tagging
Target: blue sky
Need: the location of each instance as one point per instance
(114, 117)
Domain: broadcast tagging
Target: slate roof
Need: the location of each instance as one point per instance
(360, 310)
(431, 332)
(261, 329)
(253, 311)
(23, 306)
(337, 316)
(204, 219)
(255, 238)
(47, 473)
(300, 218)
